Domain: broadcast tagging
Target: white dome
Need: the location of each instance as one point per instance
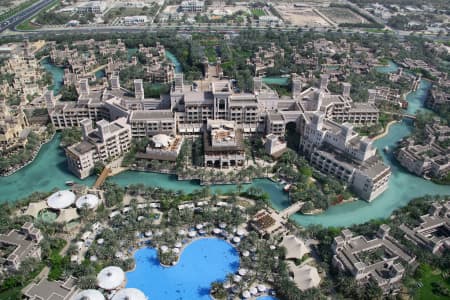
(89, 295)
(130, 293)
(161, 140)
(90, 201)
(61, 199)
(110, 278)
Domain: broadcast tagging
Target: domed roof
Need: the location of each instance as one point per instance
(61, 199)
(161, 140)
(89, 295)
(90, 201)
(110, 278)
(130, 293)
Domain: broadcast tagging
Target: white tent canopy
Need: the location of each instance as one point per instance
(89, 295)
(90, 201)
(295, 248)
(130, 293)
(110, 278)
(61, 199)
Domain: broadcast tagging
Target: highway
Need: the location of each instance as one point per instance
(21, 16)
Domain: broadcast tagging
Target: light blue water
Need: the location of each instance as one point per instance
(267, 298)
(100, 74)
(175, 61)
(57, 74)
(201, 263)
(391, 67)
(276, 80)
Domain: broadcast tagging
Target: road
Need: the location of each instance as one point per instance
(21, 16)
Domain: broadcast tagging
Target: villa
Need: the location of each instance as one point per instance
(433, 232)
(377, 259)
(50, 290)
(429, 157)
(25, 243)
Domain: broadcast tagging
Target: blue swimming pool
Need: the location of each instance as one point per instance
(201, 263)
(266, 298)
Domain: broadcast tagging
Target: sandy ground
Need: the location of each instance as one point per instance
(301, 16)
(342, 15)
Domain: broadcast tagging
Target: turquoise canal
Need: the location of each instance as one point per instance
(201, 263)
(49, 171)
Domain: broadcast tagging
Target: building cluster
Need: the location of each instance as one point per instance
(23, 70)
(433, 233)
(192, 6)
(225, 115)
(382, 259)
(430, 157)
(19, 245)
(264, 59)
(13, 127)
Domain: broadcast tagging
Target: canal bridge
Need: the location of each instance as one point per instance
(290, 210)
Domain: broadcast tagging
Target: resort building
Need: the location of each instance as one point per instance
(163, 147)
(339, 151)
(438, 98)
(433, 232)
(428, 158)
(51, 290)
(107, 142)
(192, 6)
(378, 259)
(94, 7)
(19, 245)
(223, 145)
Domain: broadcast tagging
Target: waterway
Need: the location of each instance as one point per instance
(49, 171)
(57, 74)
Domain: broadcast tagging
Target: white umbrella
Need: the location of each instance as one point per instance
(246, 294)
(178, 245)
(148, 233)
(100, 241)
(240, 232)
(253, 291)
(93, 258)
(217, 231)
(236, 239)
(192, 234)
(164, 248)
(129, 293)
(181, 232)
(89, 294)
(237, 278)
(118, 254)
(176, 250)
(140, 218)
(226, 284)
(199, 226)
(272, 247)
(253, 249)
(222, 225)
(90, 201)
(245, 253)
(262, 288)
(242, 272)
(110, 278)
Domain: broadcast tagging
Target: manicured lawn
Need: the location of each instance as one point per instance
(434, 284)
(258, 12)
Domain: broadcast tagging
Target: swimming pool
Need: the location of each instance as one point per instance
(201, 263)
